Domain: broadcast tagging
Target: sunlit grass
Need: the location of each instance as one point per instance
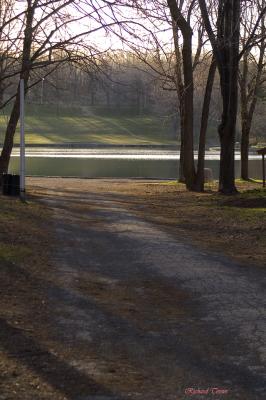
(46, 125)
(239, 180)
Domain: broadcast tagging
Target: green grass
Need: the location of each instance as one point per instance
(239, 180)
(48, 125)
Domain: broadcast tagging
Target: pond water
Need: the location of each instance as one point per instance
(116, 163)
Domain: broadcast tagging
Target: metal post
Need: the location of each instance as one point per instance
(22, 142)
(42, 91)
(263, 170)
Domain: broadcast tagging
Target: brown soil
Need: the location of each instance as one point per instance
(234, 226)
(25, 244)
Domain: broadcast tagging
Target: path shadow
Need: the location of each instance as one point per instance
(63, 377)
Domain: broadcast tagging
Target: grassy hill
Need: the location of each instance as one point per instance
(48, 124)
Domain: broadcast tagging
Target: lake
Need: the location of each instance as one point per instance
(116, 163)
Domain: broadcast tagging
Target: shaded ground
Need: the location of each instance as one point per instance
(235, 225)
(126, 307)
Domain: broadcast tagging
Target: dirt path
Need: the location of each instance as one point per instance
(136, 313)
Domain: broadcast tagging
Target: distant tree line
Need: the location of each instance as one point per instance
(123, 84)
(207, 73)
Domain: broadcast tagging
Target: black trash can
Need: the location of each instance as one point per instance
(6, 182)
(15, 185)
(10, 185)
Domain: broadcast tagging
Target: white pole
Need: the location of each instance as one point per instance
(42, 91)
(22, 142)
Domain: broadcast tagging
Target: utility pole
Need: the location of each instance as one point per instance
(42, 90)
(22, 142)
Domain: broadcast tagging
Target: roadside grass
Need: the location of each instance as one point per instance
(24, 261)
(49, 125)
(209, 220)
(21, 236)
(235, 225)
(232, 225)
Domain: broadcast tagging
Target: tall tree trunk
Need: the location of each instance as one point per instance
(244, 151)
(9, 136)
(199, 183)
(244, 117)
(25, 74)
(227, 131)
(180, 95)
(189, 167)
(227, 162)
(226, 51)
(187, 96)
(182, 135)
(228, 41)
(248, 97)
(1, 92)
(181, 177)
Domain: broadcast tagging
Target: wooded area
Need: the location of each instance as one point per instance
(132, 257)
(184, 60)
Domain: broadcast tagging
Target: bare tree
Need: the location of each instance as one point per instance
(186, 63)
(8, 43)
(188, 108)
(225, 45)
(49, 38)
(199, 181)
(175, 67)
(226, 51)
(252, 75)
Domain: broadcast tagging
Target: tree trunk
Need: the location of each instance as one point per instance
(226, 51)
(228, 37)
(180, 95)
(189, 167)
(181, 158)
(9, 136)
(25, 74)
(1, 92)
(227, 163)
(199, 183)
(248, 97)
(182, 134)
(187, 95)
(227, 130)
(244, 152)
(244, 117)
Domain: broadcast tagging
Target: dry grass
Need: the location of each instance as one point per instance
(24, 248)
(232, 225)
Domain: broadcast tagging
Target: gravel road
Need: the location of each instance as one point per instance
(145, 315)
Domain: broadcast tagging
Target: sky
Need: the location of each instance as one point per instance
(99, 12)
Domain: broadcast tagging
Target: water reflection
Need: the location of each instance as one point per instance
(94, 163)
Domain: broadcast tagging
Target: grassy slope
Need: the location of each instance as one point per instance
(48, 124)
